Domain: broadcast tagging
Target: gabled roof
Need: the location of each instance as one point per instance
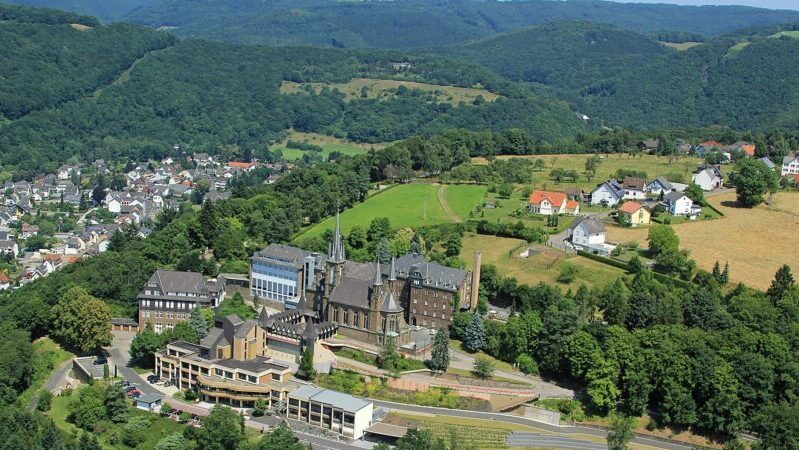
(634, 183)
(390, 305)
(663, 182)
(711, 144)
(765, 160)
(674, 196)
(572, 204)
(591, 225)
(555, 198)
(630, 207)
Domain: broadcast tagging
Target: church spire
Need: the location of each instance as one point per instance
(337, 252)
(378, 281)
(392, 274)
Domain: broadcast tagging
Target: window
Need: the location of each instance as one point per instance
(242, 376)
(218, 372)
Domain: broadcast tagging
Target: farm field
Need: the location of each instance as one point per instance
(328, 143)
(377, 88)
(544, 267)
(754, 241)
(679, 170)
(404, 205)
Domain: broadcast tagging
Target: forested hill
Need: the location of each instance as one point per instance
(567, 55)
(216, 98)
(45, 65)
(403, 23)
(743, 85)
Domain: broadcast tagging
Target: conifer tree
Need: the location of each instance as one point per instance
(440, 355)
(475, 336)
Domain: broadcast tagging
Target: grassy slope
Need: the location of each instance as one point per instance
(47, 356)
(404, 206)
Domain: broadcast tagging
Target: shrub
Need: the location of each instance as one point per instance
(184, 417)
(166, 409)
(189, 395)
(568, 273)
(527, 364)
(45, 400)
(483, 368)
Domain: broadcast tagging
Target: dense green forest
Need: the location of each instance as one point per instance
(46, 65)
(406, 23)
(223, 98)
(722, 82)
(567, 55)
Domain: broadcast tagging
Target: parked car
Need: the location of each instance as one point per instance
(133, 393)
(100, 360)
(153, 379)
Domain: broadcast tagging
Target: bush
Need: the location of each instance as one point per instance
(106, 371)
(133, 432)
(45, 400)
(527, 364)
(189, 395)
(483, 368)
(259, 408)
(166, 409)
(568, 273)
(184, 417)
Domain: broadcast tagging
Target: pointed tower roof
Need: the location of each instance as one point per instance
(378, 281)
(337, 253)
(392, 274)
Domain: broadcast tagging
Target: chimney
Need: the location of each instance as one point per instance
(478, 261)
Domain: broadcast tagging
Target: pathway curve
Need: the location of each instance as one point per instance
(442, 199)
(55, 380)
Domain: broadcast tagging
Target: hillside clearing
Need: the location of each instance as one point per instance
(543, 265)
(376, 88)
(737, 48)
(329, 144)
(681, 46)
(407, 205)
(80, 26)
(791, 34)
(756, 242)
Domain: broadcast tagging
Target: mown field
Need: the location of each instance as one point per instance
(544, 267)
(678, 170)
(384, 89)
(756, 242)
(404, 205)
(328, 143)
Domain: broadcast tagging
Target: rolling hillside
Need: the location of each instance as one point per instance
(216, 97)
(568, 55)
(404, 23)
(749, 85)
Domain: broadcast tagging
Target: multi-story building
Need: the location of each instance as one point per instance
(232, 364)
(168, 298)
(281, 274)
(342, 413)
(790, 165)
(367, 301)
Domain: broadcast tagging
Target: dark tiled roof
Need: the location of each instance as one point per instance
(256, 365)
(351, 291)
(591, 225)
(433, 274)
(283, 255)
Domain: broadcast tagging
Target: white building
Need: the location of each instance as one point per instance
(708, 178)
(634, 188)
(678, 204)
(790, 165)
(658, 186)
(608, 193)
(332, 410)
(589, 234)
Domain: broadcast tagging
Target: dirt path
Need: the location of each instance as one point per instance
(442, 199)
(125, 74)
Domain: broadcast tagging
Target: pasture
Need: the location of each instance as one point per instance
(408, 205)
(328, 143)
(677, 169)
(384, 89)
(543, 265)
(756, 241)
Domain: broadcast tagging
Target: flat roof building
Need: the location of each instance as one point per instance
(332, 410)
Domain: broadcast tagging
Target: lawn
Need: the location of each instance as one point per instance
(407, 205)
(158, 429)
(544, 267)
(328, 143)
(755, 241)
(513, 210)
(47, 356)
(678, 170)
(385, 89)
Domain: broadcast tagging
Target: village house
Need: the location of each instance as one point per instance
(649, 145)
(658, 186)
(634, 188)
(680, 204)
(9, 247)
(551, 203)
(634, 214)
(5, 282)
(240, 166)
(707, 178)
(770, 164)
(589, 234)
(706, 147)
(790, 165)
(608, 193)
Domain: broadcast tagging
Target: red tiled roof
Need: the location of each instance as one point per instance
(711, 144)
(749, 149)
(556, 198)
(240, 165)
(630, 207)
(4, 278)
(572, 204)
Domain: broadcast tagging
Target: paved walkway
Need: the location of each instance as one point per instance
(57, 379)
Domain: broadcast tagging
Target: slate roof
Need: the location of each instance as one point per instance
(351, 291)
(674, 196)
(284, 255)
(174, 281)
(433, 274)
(593, 226)
(390, 304)
(663, 183)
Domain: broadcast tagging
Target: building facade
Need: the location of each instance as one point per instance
(168, 298)
(280, 274)
(335, 411)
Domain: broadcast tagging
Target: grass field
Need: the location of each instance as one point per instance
(375, 88)
(328, 143)
(512, 210)
(47, 356)
(737, 48)
(404, 205)
(543, 267)
(654, 166)
(756, 242)
(792, 34)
